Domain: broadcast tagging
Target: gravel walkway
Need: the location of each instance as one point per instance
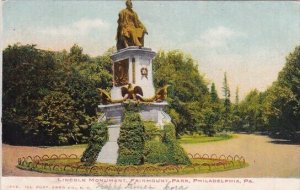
(266, 158)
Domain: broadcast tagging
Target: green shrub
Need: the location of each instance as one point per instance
(151, 131)
(167, 151)
(156, 152)
(169, 133)
(98, 137)
(131, 139)
(176, 154)
(138, 142)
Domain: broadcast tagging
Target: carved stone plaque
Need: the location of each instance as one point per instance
(121, 72)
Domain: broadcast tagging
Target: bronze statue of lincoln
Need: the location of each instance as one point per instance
(131, 30)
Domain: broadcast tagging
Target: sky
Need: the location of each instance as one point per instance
(248, 40)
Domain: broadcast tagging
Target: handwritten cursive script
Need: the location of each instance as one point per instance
(169, 186)
(110, 186)
(133, 185)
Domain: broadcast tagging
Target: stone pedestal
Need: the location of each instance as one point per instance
(133, 65)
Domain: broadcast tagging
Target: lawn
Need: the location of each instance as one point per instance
(184, 139)
(71, 146)
(196, 138)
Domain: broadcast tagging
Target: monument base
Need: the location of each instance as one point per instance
(149, 112)
(112, 113)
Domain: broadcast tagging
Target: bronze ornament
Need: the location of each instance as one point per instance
(121, 72)
(144, 72)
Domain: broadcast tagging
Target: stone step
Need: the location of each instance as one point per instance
(115, 120)
(109, 152)
(114, 133)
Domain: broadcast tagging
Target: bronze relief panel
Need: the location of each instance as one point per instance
(121, 72)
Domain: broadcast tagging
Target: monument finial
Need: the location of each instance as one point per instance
(131, 30)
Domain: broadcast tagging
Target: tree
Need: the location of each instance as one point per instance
(227, 103)
(34, 78)
(212, 113)
(280, 103)
(58, 121)
(76, 55)
(213, 93)
(251, 112)
(290, 74)
(237, 99)
(276, 110)
(211, 118)
(289, 78)
(188, 92)
(236, 122)
(281, 111)
(28, 74)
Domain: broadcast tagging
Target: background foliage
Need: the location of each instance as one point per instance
(49, 98)
(189, 93)
(276, 110)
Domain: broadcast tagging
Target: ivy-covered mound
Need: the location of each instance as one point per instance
(162, 147)
(98, 137)
(131, 139)
(143, 142)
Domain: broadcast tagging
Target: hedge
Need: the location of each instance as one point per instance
(167, 151)
(98, 137)
(131, 139)
(156, 152)
(152, 132)
(176, 153)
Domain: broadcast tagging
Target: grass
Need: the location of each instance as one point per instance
(193, 139)
(70, 146)
(73, 166)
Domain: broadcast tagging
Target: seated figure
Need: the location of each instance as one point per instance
(130, 31)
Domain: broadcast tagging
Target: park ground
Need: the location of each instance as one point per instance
(266, 157)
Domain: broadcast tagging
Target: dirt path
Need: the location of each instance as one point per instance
(10, 155)
(266, 159)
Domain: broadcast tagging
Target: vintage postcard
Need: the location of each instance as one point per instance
(135, 94)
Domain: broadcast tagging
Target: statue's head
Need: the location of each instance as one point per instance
(128, 4)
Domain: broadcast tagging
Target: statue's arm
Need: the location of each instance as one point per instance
(139, 23)
(142, 26)
(120, 20)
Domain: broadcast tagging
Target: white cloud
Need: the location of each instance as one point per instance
(218, 37)
(213, 39)
(81, 27)
(91, 34)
